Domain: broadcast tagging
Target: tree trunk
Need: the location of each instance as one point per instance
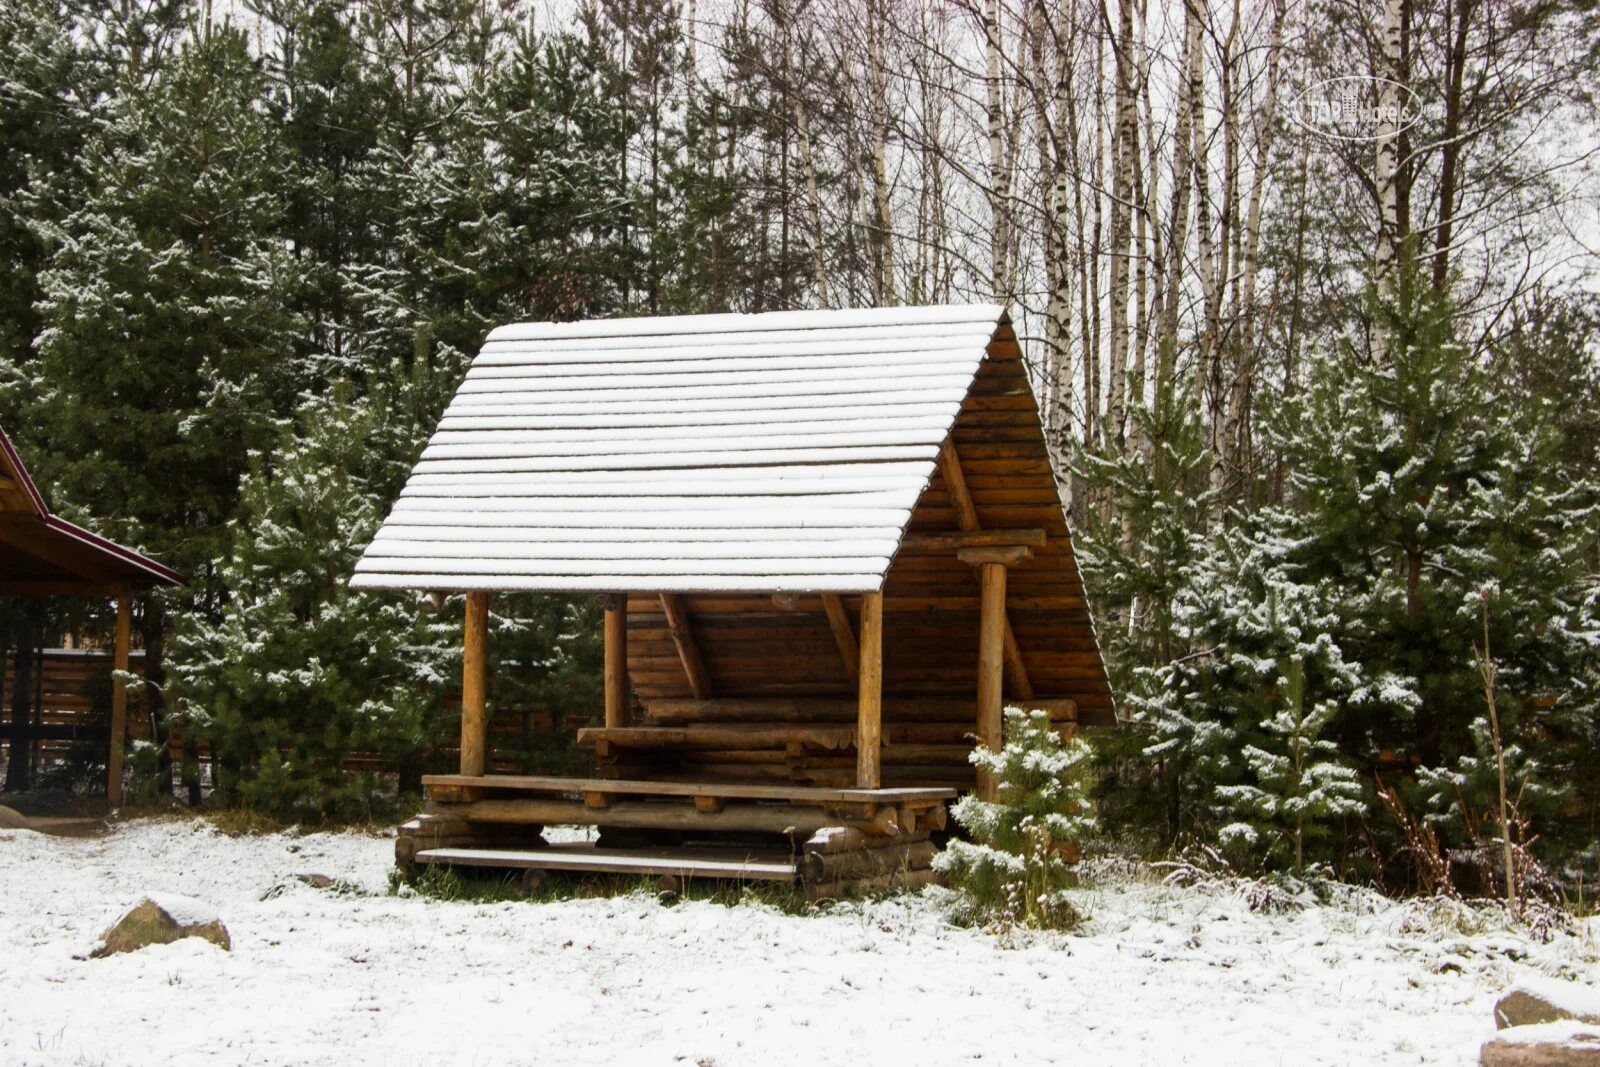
(1386, 167)
(877, 79)
(1124, 153)
(999, 179)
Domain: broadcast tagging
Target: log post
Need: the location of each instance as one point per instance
(992, 564)
(991, 666)
(119, 698)
(475, 685)
(869, 698)
(616, 672)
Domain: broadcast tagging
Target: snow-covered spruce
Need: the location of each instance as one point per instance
(1015, 867)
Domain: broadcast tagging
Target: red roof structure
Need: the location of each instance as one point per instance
(42, 555)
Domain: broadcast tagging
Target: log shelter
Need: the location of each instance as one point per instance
(831, 548)
(44, 555)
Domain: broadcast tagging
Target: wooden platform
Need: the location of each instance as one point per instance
(831, 842)
(722, 864)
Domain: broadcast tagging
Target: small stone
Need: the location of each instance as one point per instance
(161, 920)
(317, 881)
(1538, 1000)
(1559, 1044)
(12, 819)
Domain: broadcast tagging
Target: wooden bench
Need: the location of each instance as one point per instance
(926, 740)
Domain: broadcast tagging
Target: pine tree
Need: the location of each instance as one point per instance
(167, 348)
(1414, 486)
(1015, 867)
(300, 671)
(1299, 787)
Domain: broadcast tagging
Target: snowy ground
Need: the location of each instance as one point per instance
(1161, 975)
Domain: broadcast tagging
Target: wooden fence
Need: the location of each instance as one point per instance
(73, 689)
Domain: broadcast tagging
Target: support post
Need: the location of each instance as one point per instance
(869, 698)
(119, 698)
(991, 666)
(616, 679)
(475, 685)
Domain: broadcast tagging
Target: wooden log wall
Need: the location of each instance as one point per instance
(789, 648)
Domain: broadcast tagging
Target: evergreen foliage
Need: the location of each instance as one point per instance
(1015, 867)
(300, 671)
(1333, 633)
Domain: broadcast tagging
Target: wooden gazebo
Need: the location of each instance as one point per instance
(43, 555)
(832, 548)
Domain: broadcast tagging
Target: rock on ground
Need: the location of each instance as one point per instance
(12, 819)
(1543, 1000)
(1560, 1044)
(161, 920)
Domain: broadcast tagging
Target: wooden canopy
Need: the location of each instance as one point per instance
(48, 556)
(42, 555)
(802, 517)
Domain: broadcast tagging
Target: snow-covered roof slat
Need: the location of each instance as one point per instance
(779, 452)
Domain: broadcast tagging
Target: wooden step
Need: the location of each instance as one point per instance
(724, 864)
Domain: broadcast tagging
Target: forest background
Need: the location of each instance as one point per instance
(1307, 292)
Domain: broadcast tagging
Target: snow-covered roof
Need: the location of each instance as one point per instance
(700, 453)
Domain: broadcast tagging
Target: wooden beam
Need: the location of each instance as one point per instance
(1016, 671)
(616, 673)
(967, 518)
(119, 698)
(844, 634)
(1005, 555)
(869, 695)
(955, 481)
(991, 664)
(933, 542)
(688, 651)
(475, 685)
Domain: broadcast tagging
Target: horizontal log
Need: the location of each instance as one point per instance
(928, 542)
(789, 819)
(731, 735)
(866, 862)
(901, 880)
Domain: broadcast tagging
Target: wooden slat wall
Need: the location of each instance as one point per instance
(76, 691)
(74, 680)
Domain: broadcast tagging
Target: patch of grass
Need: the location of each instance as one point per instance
(242, 822)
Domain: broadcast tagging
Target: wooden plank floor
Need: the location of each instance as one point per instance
(733, 865)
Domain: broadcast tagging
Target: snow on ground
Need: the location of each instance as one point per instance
(319, 976)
